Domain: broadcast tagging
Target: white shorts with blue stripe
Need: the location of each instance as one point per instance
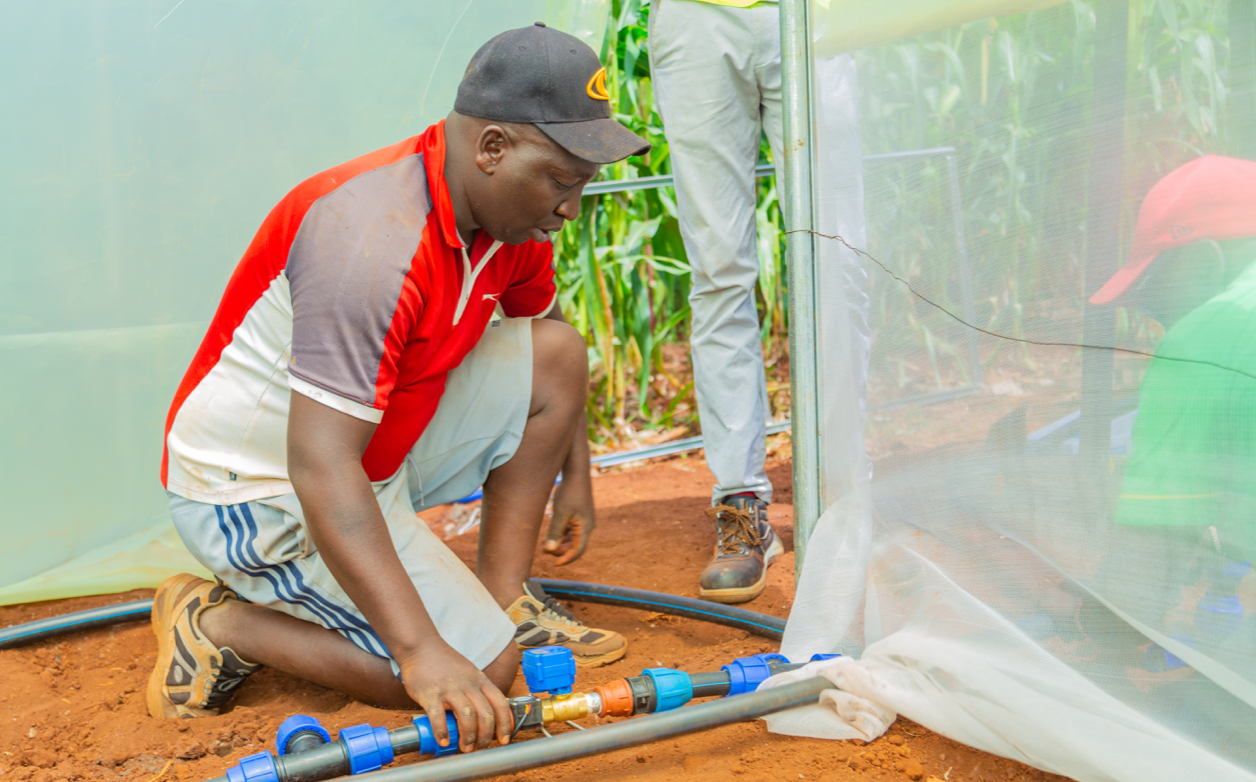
(262, 550)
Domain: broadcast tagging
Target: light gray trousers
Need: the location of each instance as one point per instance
(717, 80)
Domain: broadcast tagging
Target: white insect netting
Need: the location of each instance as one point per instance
(1041, 513)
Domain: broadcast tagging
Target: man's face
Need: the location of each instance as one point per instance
(533, 185)
(1178, 281)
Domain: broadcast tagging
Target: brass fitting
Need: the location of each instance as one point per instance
(574, 706)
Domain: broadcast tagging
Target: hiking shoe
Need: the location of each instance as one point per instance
(541, 621)
(193, 677)
(745, 546)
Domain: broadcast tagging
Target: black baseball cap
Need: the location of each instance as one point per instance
(554, 81)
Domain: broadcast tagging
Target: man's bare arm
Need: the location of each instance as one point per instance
(573, 518)
(325, 450)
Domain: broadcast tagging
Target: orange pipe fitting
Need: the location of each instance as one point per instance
(616, 698)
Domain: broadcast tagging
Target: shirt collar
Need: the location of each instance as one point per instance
(432, 143)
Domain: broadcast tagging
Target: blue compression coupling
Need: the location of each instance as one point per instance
(296, 725)
(1219, 615)
(745, 674)
(254, 768)
(427, 740)
(549, 669)
(672, 689)
(1160, 659)
(368, 748)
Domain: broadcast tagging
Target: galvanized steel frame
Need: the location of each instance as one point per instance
(799, 213)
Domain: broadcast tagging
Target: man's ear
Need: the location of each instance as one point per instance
(491, 148)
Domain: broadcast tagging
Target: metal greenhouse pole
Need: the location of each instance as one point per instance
(799, 214)
(1103, 222)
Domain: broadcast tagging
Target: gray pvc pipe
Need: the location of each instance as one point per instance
(642, 730)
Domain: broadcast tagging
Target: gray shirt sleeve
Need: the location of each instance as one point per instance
(351, 306)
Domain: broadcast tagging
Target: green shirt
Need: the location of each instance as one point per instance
(1193, 460)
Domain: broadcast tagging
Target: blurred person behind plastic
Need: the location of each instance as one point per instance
(1188, 495)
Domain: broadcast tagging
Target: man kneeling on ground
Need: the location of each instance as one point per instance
(355, 372)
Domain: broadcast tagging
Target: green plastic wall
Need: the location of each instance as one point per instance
(144, 142)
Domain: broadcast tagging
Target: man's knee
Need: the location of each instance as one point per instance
(558, 353)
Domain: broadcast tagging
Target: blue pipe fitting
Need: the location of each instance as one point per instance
(1160, 659)
(368, 748)
(427, 739)
(672, 688)
(297, 724)
(1219, 615)
(254, 768)
(745, 674)
(549, 669)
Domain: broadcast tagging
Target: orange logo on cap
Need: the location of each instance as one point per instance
(597, 86)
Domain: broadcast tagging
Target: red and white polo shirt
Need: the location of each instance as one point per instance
(358, 292)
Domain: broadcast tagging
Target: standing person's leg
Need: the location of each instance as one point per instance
(703, 61)
(703, 70)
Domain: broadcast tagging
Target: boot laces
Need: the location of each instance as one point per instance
(226, 680)
(738, 530)
(551, 607)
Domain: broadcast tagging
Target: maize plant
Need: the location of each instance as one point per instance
(623, 272)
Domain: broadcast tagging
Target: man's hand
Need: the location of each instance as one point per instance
(325, 450)
(571, 524)
(572, 521)
(438, 678)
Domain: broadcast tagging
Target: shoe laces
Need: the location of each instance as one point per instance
(553, 608)
(738, 530)
(226, 681)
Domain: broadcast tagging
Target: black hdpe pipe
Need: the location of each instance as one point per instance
(759, 624)
(688, 607)
(583, 743)
(92, 618)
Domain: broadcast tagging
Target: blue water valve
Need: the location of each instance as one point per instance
(816, 657)
(549, 669)
(254, 768)
(427, 739)
(672, 688)
(745, 674)
(368, 748)
(296, 726)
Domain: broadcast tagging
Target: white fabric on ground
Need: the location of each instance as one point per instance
(840, 714)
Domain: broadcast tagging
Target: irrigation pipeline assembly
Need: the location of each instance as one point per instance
(306, 752)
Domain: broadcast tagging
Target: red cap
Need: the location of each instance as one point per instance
(1212, 197)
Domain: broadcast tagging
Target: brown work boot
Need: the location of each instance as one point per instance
(744, 547)
(193, 677)
(540, 620)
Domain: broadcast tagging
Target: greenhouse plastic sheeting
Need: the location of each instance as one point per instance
(859, 24)
(144, 143)
(1041, 510)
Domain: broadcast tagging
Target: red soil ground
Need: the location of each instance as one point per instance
(74, 709)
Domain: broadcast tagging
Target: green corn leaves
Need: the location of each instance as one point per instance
(1013, 95)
